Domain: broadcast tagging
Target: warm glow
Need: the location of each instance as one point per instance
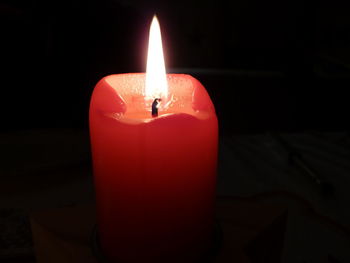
(156, 83)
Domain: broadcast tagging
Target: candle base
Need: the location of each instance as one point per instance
(208, 257)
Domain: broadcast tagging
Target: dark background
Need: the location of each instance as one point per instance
(269, 65)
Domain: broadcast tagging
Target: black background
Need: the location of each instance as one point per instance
(280, 65)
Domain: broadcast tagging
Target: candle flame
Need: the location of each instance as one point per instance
(156, 83)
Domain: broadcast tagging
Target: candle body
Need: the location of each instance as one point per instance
(154, 177)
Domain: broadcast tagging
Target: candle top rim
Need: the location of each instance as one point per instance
(127, 98)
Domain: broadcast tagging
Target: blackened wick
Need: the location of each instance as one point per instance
(155, 107)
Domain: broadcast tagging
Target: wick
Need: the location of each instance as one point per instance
(155, 105)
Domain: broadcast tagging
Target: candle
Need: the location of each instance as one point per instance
(154, 146)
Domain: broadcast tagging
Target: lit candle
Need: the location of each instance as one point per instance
(154, 145)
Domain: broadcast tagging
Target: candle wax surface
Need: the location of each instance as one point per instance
(134, 107)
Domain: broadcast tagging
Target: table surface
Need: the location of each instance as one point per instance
(44, 169)
(251, 229)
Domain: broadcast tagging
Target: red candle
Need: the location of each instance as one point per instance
(154, 171)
